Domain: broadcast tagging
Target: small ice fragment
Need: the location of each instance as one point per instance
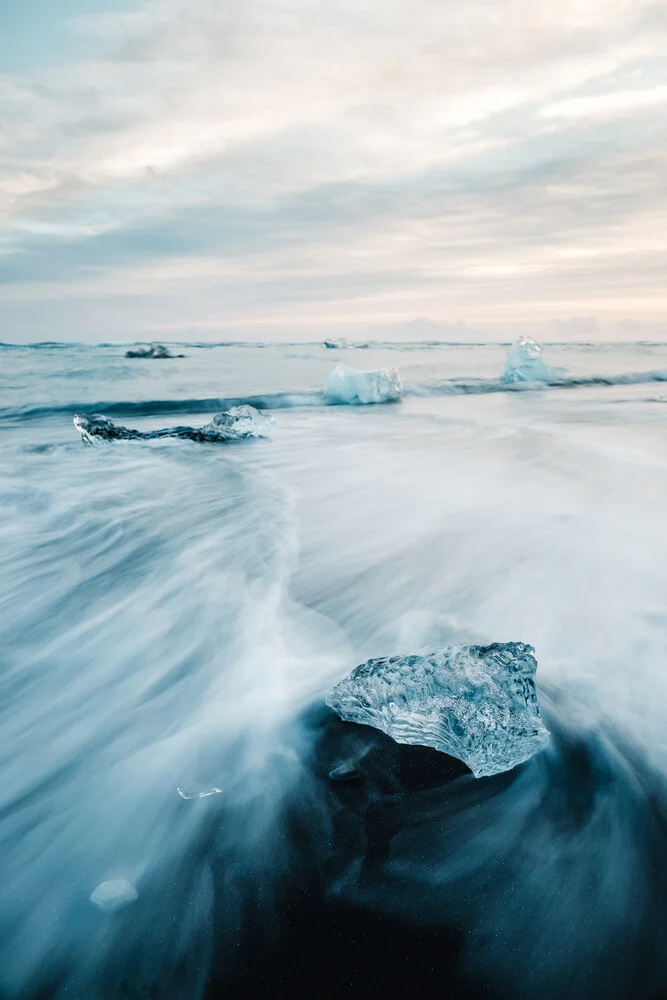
(114, 894)
(475, 703)
(186, 793)
(344, 772)
(347, 385)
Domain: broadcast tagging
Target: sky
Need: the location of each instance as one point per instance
(292, 169)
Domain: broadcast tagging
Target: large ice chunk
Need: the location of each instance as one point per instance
(235, 424)
(525, 364)
(347, 385)
(476, 703)
(114, 894)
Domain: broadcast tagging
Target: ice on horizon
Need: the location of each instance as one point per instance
(475, 703)
(526, 364)
(347, 385)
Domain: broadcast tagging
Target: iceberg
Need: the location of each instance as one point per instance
(114, 895)
(525, 364)
(157, 351)
(335, 344)
(475, 703)
(236, 424)
(347, 385)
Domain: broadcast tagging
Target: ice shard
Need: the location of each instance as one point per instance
(197, 793)
(475, 703)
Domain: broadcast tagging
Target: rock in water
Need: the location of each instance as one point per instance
(347, 385)
(113, 895)
(476, 703)
(156, 351)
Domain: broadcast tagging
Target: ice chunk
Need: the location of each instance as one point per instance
(242, 421)
(476, 703)
(187, 793)
(347, 385)
(525, 364)
(114, 895)
(236, 424)
(344, 773)
(334, 344)
(156, 351)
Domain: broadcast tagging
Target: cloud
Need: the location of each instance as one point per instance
(610, 105)
(280, 157)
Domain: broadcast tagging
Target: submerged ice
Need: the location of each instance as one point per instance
(238, 423)
(526, 364)
(114, 894)
(198, 793)
(347, 385)
(475, 703)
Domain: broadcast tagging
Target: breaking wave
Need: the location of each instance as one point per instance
(172, 620)
(313, 398)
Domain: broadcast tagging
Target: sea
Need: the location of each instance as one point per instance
(173, 614)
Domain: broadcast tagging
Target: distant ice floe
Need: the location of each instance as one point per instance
(475, 703)
(155, 351)
(336, 344)
(235, 424)
(114, 895)
(347, 385)
(525, 364)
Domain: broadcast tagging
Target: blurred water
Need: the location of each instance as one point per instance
(168, 608)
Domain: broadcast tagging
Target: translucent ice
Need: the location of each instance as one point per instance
(236, 424)
(476, 703)
(191, 793)
(113, 895)
(347, 385)
(525, 364)
(242, 421)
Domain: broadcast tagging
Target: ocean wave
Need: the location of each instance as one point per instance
(166, 407)
(456, 387)
(479, 881)
(167, 614)
(316, 398)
